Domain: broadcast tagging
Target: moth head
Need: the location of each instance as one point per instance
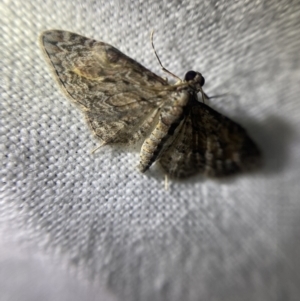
(195, 79)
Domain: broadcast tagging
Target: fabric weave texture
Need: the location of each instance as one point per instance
(82, 226)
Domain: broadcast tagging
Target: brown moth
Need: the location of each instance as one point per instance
(124, 102)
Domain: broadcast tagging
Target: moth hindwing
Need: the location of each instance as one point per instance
(124, 102)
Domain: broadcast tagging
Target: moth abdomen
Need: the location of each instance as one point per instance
(170, 117)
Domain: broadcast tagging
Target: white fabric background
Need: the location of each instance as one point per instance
(77, 226)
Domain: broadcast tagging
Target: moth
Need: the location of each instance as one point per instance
(124, 103)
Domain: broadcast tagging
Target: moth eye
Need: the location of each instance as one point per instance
(190, 75)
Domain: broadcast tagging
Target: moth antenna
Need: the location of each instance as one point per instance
(162, 67)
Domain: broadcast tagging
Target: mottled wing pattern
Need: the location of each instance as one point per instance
(118, 95)
(123, 102)
(209, 143)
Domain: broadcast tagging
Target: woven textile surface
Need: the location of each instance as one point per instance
(82, 226)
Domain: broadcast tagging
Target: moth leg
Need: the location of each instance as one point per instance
(95, 149)
(206, 96)
(217, 96)
(162, 67)
(166, 182)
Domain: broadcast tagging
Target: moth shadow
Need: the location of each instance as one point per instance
(273, 137)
